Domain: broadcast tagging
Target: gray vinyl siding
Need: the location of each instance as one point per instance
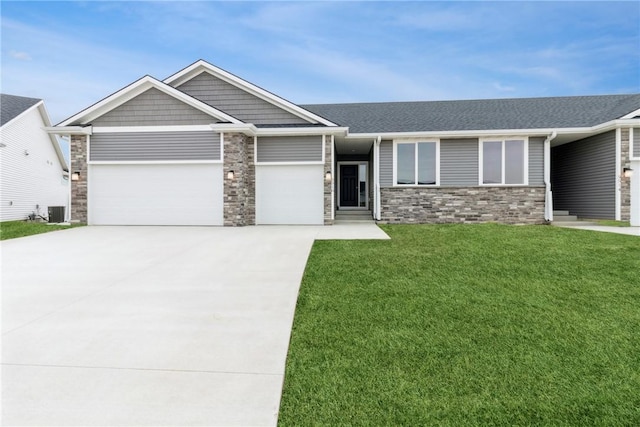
(236, 102)
(150, 146)
(386, 164)
(536, 161)
(583, 176)
(636, 142)
(153, 108)
(459, 162)
(289, 149)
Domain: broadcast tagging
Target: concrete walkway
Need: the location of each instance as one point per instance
(632, 231)
(151, 325)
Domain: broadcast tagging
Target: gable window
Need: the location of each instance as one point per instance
(416, 163)
(504, 162)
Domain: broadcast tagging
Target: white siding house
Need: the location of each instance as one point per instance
(33, 171)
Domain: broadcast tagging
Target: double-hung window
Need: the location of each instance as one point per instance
(416, 163)
(504, 161)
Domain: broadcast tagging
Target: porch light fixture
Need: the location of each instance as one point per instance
(627, 172)
(75, 176)
(231, 175)
(327, 176)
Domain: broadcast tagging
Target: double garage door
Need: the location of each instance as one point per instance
(167, 192)
(155, 194)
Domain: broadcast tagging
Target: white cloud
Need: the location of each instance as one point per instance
(22, 56)
(503, 88)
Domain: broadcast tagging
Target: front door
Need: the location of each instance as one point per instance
(353, 185)
(348, 185)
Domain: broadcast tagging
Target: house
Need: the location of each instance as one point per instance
(34, 173)
(205, 147)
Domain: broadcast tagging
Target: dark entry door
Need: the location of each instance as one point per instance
(348, 185)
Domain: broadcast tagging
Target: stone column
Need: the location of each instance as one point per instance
(239, 191)
(328, 185)
(625, 183)
(78, 150)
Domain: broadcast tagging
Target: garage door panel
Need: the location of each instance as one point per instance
(170, 194)
(289, 194)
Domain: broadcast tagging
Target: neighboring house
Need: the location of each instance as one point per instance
(34, 173)
(204, 147)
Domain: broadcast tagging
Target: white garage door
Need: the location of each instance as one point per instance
(159, 194)
(289, 194)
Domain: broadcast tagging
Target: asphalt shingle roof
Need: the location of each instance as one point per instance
(481, 114)
(12, 106)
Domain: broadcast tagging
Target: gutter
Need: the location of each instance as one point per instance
(548, 194)
(376, 176)
(603, 127)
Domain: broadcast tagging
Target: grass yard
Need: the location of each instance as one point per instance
(609, 222)
(468, 325)
(13, 229)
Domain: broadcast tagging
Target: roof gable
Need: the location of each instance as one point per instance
(12, 106)
(153, 108)
(16, 107)
(135, 89)
(226, 81)
(237, 102)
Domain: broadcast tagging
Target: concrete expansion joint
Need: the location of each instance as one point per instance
(119, 368)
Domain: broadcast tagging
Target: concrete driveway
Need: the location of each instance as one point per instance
(149, 325)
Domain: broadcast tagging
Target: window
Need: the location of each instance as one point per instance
(504, 162)
(416, 163)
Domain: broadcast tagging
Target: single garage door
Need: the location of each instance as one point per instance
(155, 194)
(289, 194)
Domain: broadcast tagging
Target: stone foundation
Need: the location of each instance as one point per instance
(78, 151)
(507, 205)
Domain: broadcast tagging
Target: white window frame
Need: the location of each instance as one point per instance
(503, 140)
(416, 170)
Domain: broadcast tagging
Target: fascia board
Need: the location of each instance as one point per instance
(331, 130)
(200, 66)
(613, 124)
(136, 88)
(632, 114)
(69, 130)
(245, 128)
(54, 139)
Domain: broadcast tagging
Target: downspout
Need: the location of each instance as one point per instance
(548, 194)
(376, 176)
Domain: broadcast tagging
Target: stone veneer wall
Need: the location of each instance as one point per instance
(239, 193)
(328, 185)
(625, 183)
(438, 205)
(78, 151)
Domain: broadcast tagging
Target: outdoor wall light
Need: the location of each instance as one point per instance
(75, 176)
(231, 175)
(26, 152)
(627, 172)
(327, 176)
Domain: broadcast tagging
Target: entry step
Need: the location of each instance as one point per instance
(353, 216)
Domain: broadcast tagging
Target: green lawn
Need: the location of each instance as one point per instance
(13, 229)
(468, 325)
(609, 222)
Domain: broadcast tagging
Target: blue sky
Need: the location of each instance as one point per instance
(73, 54)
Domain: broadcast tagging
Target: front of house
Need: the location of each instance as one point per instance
(204, 147)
